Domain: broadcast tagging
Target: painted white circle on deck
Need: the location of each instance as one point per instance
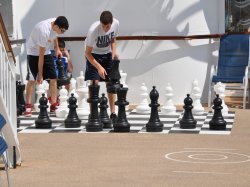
(205, 156)
(208, 157)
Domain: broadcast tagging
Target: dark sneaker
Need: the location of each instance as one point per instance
(28, 110)
(53, 107)
(113, 117)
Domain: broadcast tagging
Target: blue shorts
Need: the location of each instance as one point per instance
(91, 72)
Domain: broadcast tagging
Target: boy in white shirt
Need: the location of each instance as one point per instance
(101, 50)
(40, 63)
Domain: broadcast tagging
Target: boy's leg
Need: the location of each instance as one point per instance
(53, 94)
(29, 92)
(112, 98)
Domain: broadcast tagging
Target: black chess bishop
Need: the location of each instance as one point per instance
(188, 121)
(43, 121)
(154, 124)
(217, 122)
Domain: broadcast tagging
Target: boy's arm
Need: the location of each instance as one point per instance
(40, 65)
(70, 65)
(56, 48)
(92, 60)
(113, 48)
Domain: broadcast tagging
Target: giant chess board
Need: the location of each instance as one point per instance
(137, 122)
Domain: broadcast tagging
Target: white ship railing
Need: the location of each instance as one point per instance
(8, 104)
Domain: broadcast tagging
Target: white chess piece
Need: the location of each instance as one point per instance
(62, 110)
(123, 79)
(168, 108)
(196, 96)
(39, 92)
(143, 107)
(72, 88)
(82, 91)
(220, 89)
(45, 87)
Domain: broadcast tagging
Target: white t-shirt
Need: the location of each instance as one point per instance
(42, 35)
(99, 40)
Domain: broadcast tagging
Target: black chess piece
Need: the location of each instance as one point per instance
(188, 121)
(121, 124)
(17, 106)
(217, 122)
(20, 97)
(62, 78)
(72, 120)
(43, 121)
(103, 112)
(154, 124)
(113, 79)
(94, 123)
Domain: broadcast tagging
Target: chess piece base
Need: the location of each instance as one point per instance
(154, 127)
(188, 124)
(45, 124)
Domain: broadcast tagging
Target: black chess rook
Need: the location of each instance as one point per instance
(121, 124)
(113, 79)
(188, 121)
(217, 122)
(43, 121)
(103, 112)
(72, 120)
(94, 123)
(154, 124)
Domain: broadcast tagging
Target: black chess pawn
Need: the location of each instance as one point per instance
(103, 112)
(121, 124)
(217, 122)
(62, 78)
(113, 79)
(188, 121)
(43, 121)
(154, 124)
(72, 120)
(94, 123)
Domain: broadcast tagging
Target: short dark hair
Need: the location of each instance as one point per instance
(62, 22)
(106, 17)
(61, 43)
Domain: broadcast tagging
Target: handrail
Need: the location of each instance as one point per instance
(8, 101)
(189, 37)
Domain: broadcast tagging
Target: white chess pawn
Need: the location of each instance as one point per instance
(168, 108)
(196, 96)
(220, 89)
(62, 110)
(39, 92)
(82, 91)
(123, 79)
(143, 107)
